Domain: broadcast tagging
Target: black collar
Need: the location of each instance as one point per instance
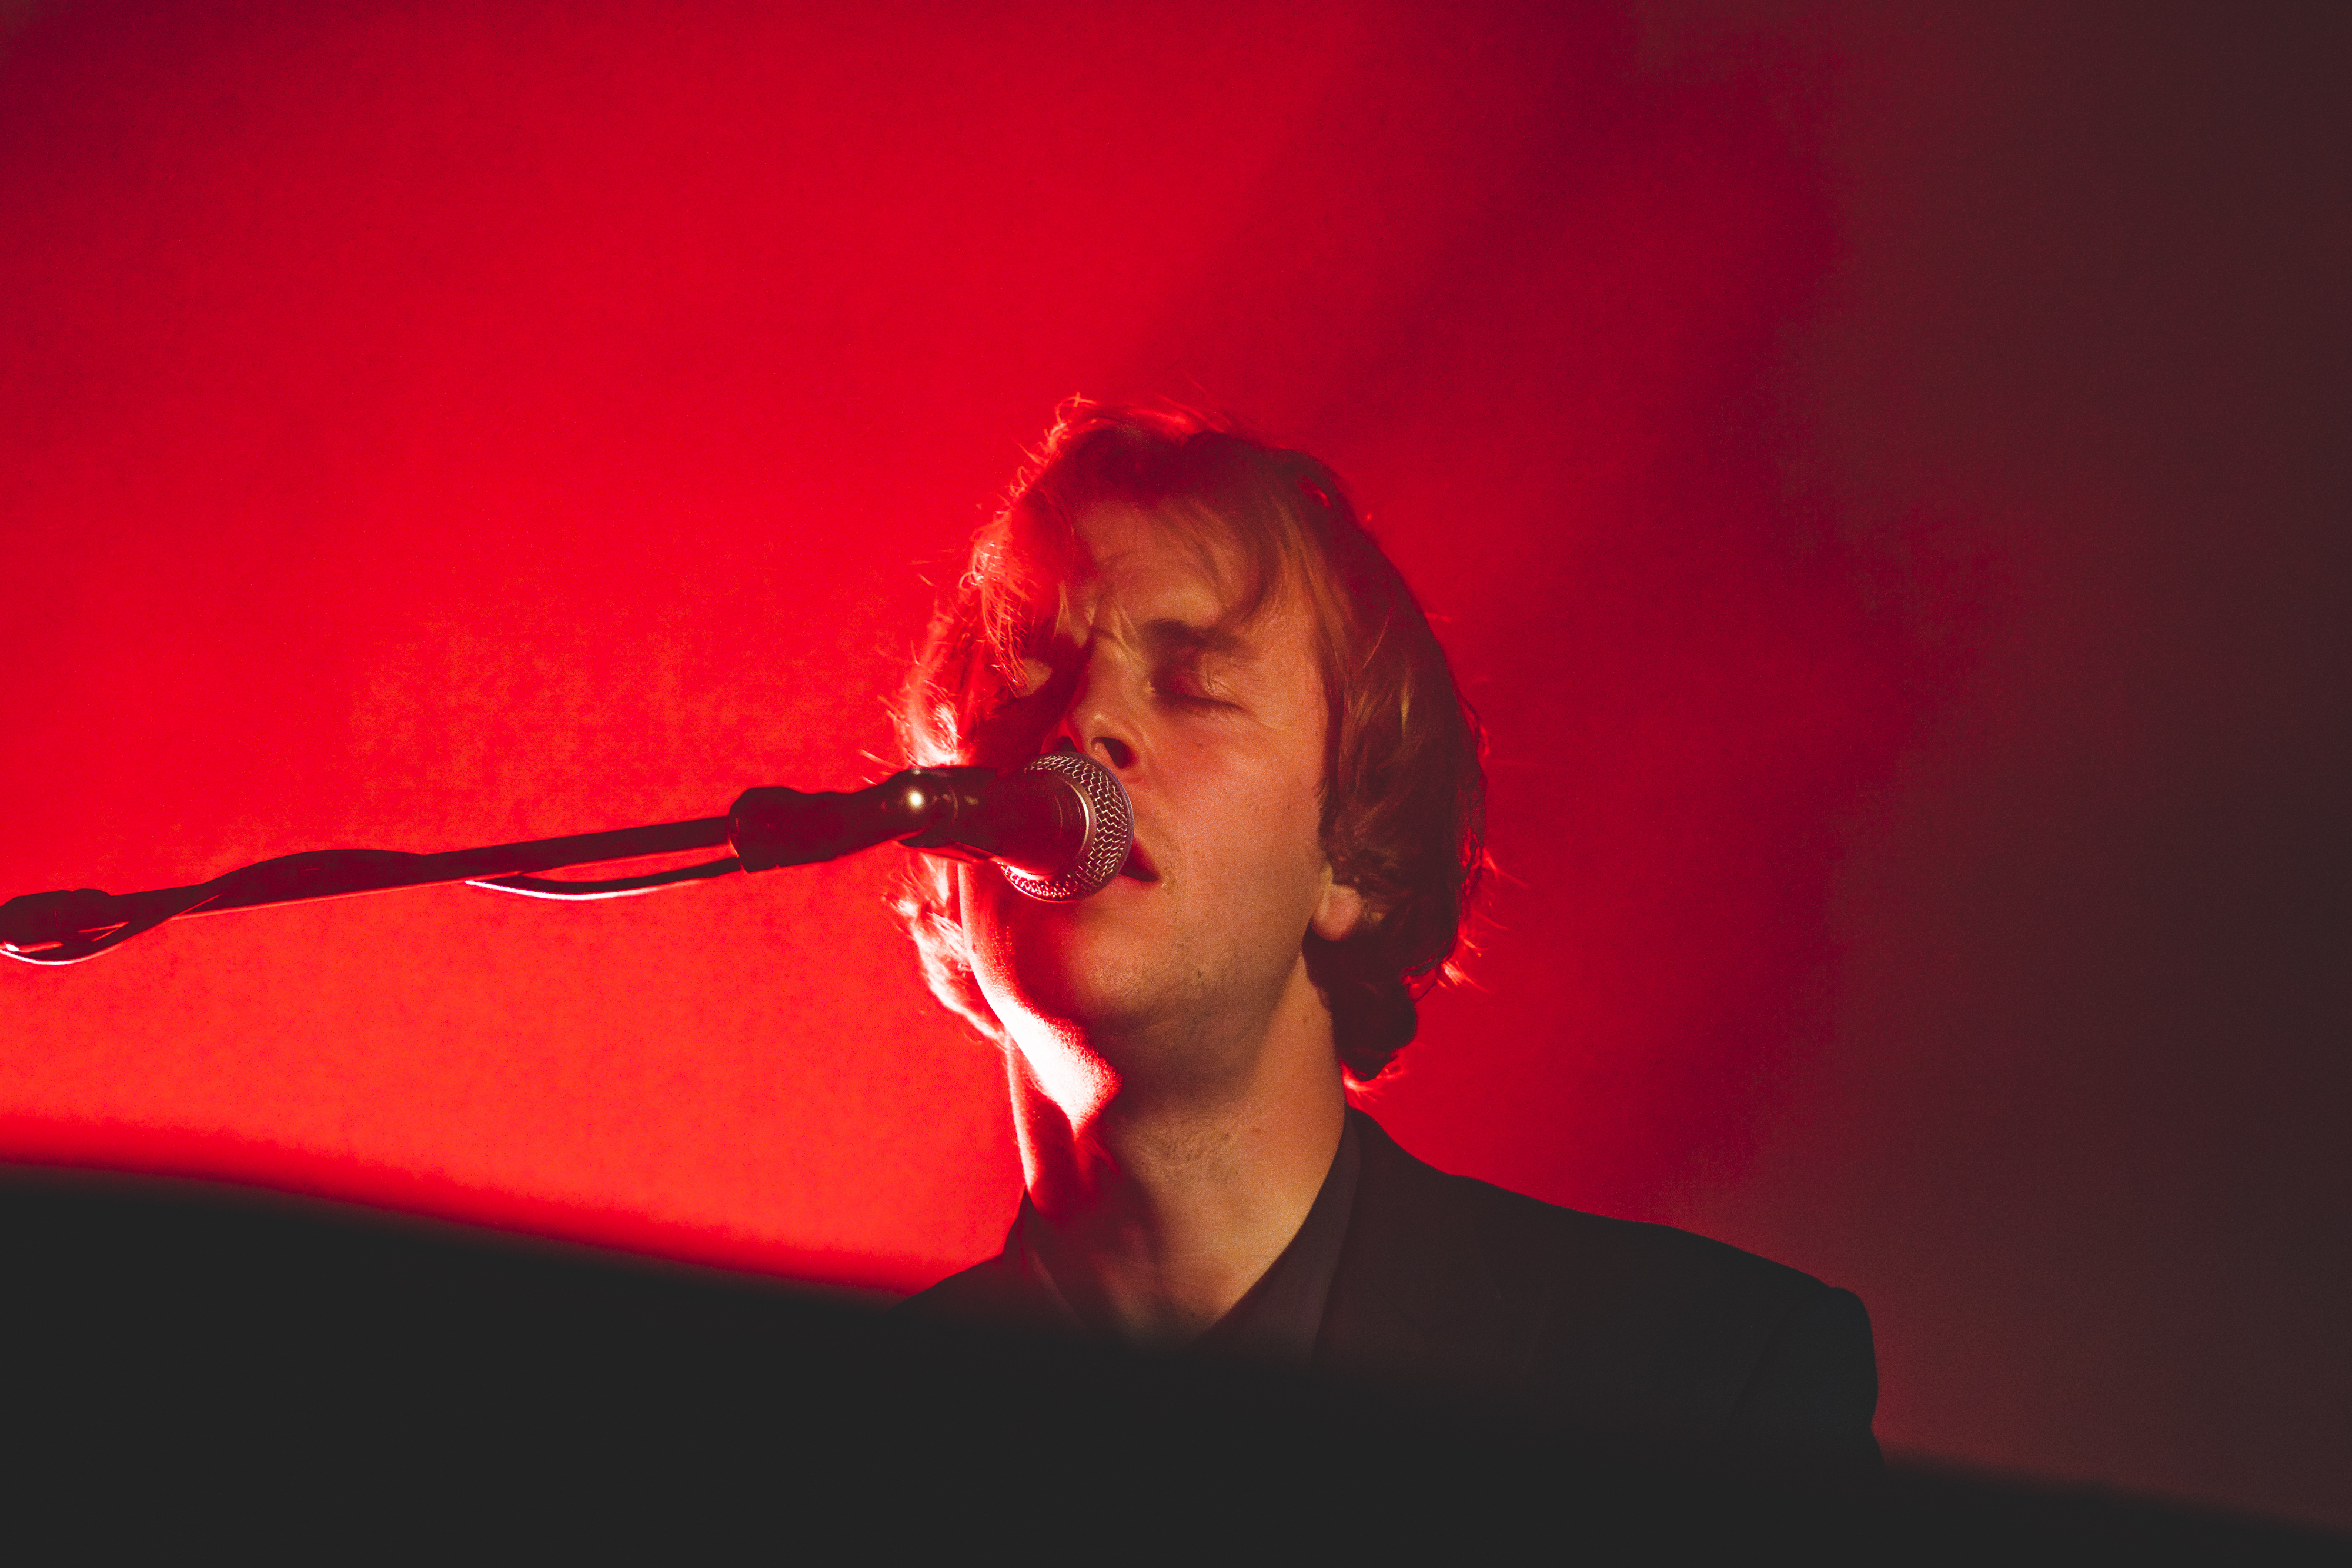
(1278, 1320)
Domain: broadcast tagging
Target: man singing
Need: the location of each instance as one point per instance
(1205, 615)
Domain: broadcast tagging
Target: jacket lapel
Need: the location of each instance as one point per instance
(1415, 1303)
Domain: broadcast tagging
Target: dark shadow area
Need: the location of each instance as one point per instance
(194, 1358)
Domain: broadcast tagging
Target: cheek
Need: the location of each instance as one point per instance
(1018, 947)
(1266, 826)
(989, 940)
(980, 906)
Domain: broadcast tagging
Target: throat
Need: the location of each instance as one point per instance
(1225, 1305)
(1155, 1217)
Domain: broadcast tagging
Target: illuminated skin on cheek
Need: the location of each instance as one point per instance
(1217, 731)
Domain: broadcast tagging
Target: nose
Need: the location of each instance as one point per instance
(1100, 721)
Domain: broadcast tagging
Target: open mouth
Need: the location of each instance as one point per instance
(1139, 865)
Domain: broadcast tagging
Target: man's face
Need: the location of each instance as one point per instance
(1217, 729)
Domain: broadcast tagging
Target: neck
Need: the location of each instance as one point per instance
(1166, 1195)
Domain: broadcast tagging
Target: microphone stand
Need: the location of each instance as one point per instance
(766, 828)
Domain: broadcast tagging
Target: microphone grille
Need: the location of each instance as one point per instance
(1110, 831)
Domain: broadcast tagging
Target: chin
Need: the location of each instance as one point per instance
(1108, 976)
(1064, 980)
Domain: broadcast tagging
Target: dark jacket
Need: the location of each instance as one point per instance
(1622, 1334)
(1611, 1328)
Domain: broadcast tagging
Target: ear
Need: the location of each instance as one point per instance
(1338, 912)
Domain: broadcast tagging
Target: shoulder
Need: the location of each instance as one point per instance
(1589, 1266)
(1593, 1270)
(1626, 1326)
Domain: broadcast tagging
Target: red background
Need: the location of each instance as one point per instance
(1879, 471)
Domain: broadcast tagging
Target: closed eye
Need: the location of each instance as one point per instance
(1184, 686)
(1187, 662)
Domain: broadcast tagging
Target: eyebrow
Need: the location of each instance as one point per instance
(1167, 636)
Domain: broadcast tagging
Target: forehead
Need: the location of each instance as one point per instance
(1123, 562)
(1128, 554)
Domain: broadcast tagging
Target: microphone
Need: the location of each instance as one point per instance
(1060, 829)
